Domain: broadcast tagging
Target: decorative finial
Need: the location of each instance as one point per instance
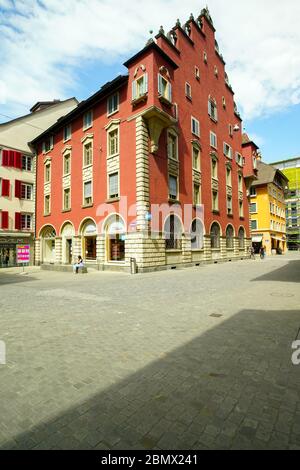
(161, 30)
(178, 23)
(192, 17)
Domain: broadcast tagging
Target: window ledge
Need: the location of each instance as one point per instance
(114, 112)
(66, 210)
(140, 99)
(165, 100)
(113, 156)
(86, 167)
(87, 128)
(173, 251)
(173, 201)
(242, 218)
(47, 215)
(114, 199)
(67, 140)
(230, 216)
(87, 206)
(189, 98)
(216, 212)
(213, 119)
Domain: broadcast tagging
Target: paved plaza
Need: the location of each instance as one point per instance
(187, 359)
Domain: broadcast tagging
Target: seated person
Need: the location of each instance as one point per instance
(78, 265)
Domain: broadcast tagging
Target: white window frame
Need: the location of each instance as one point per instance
(87, 125)
(140, 87)
(228, 179)
(171, 197)
(47, 165)
(195, 129)
(229, 206)
(250, 208)
(214, 165)
(197, 73)
(27, 158)
(48, 144)
(253, 189)
(215, 209)
(109, 133)
(227, 149)
(174, 135)
(196, 202)
(27, 185)
(66, 155)
(212, 110)
(165, 93)
(85, 203)
(188, 90)
(67, 137)
(110, 100)
(213, 140)
(85, 145)
(64, 207)
(47, 197)
(256, 222)
(25, 215)
(198, 168)
(113, 196)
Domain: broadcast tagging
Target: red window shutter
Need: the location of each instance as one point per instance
(4, 220)
(18, 160)
(5, 155)
(11, 158)
(17, 221)
(5, 188)
(18, 189)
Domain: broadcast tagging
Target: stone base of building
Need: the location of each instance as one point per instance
(145, 254)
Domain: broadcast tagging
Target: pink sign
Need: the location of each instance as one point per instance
(23, 254)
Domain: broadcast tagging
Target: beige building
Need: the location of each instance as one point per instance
(17, 176)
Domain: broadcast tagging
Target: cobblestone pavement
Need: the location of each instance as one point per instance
(189, 359)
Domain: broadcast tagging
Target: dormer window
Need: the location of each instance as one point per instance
(87, 120)
(140, 87)
(164, 88)
(48, 144)
(113, 104)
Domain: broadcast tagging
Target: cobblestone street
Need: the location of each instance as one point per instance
(187, 359)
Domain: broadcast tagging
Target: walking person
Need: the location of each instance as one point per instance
(262, 253)
(78, 265)
(252, 252)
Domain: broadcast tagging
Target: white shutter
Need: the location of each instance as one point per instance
(134, 90)
(145, 83)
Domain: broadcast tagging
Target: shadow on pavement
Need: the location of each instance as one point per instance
(15, 278)
(287, 273)
(232, 387)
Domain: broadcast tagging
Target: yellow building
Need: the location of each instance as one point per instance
(268, 210)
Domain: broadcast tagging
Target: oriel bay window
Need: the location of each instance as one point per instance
(87, 193)
(173, 187)
(113, 186)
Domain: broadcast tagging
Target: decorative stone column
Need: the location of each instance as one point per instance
(186, 249)
(236, 247)
(58, 250)
(37, 252)
(77, 247)
(223, 246)
(100, 244)
(207, 248)
(142, 175)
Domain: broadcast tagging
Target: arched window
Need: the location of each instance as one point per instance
(197, 235)
(229, 236)
(242, 238)
(115, 239)
(215, 234)
(173, 233)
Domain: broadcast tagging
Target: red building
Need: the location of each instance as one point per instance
(149, 167)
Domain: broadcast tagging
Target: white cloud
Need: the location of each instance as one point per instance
(45, 42)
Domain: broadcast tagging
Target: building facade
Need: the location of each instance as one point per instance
(268, 210)
(291, 169)
(151, 166)
(17, 177)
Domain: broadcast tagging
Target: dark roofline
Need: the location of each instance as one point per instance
(104, 91)
(149, 47)
(44, 103)
(250, 142)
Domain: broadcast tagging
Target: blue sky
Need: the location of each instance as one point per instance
(54, 49)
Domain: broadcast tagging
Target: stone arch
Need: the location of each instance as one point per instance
(197, 231)
(215, 235)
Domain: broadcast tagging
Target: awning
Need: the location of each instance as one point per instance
(257, 239)
(279, 239)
